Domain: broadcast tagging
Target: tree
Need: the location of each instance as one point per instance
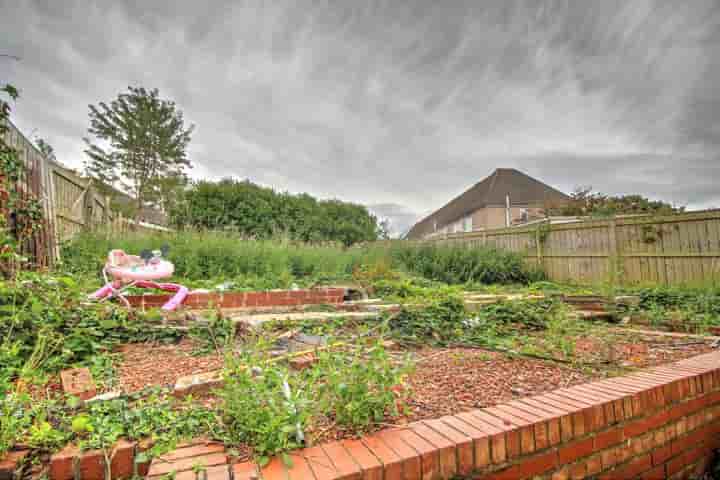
(261, 212)
(585, 202)
(143, 141)
(45, 148)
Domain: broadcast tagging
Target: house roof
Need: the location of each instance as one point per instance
(490, 191)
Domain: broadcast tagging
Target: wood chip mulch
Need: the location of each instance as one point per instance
(449, 381)
(149, 364)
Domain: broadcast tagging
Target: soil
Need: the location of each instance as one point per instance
(148, 364)
(445, 380)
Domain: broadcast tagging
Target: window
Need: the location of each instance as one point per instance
(467, 223)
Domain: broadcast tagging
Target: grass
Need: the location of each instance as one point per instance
(206, 259)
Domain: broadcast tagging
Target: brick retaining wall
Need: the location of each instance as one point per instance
(663, 422)
(270, 298)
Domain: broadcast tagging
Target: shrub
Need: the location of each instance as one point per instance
(437, 316)
(456, 265)
(263, 405)
(358, 389)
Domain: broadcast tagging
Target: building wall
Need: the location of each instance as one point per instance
(494, 217)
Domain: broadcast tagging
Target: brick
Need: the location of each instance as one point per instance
(576, 450)
(392, 464)
(447, 451)
(538, 464)
(245, 471)
(562, 474)
(368, 463)
(343, 462)
(525, 428)
(505, 440)
(62, 463)
(480, 440)
(161, 467)
(122, 459)
(609, 458)
(92, 465)
(195, 450)
(608, 438)
(674, 465)
(595, 416)
(303, 361)
(430, 459)
(594, 465)
(10, 462)
(409, 458)
(274, 470)
(463, 443)
(660, 455)
(633, 468)
(299, 469)
(318, 461)
(78, 382)
(657, 473)
(558, 418)
(577, 471)
(576, 427)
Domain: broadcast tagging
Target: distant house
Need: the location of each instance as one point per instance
(505, 198)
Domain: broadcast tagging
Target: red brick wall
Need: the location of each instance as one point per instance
(660, 423)
(271, 298)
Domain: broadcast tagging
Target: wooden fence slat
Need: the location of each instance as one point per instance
(668, 250)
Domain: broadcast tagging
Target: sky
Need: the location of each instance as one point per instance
(399, 105)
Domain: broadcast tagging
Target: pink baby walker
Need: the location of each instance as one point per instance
(139, 271)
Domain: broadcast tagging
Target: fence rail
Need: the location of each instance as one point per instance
(670, 250)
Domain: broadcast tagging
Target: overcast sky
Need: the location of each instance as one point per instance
(396, 104)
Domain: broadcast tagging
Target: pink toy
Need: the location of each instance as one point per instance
(130, 270)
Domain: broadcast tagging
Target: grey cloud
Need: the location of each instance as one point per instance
(395, 103)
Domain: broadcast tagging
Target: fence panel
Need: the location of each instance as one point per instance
(668, 250)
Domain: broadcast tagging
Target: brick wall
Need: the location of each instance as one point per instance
(660, 423)
(271, 298)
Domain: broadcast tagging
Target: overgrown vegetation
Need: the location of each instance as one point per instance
(259, 212)
(688, 309)
(209, 259)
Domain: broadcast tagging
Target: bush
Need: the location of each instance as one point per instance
(360, 388)
(207, 258)
(259, 212)
(437, 316)
(204, 259)
(264, 405)
(456, 265)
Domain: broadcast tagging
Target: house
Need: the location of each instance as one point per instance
(505, 198)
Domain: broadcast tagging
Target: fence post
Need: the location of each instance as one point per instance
(613, 254)
(538, 248)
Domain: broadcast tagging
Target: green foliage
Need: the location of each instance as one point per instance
(437, 317)
(214, 336)
(689, 309)
(46, 323)
(532, 314)
(264, 405)
(258, 212)
(455, 265)
(206, 259)
(15, 419)
(586, 202)
(359, 388)
(15, 203)
(141, 142)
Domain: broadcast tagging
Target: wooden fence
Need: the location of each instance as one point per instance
(70, 202)
(669, 250)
